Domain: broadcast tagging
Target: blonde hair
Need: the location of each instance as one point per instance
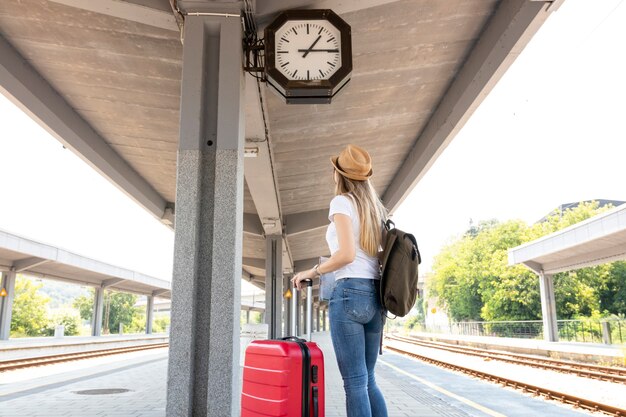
(371, 211)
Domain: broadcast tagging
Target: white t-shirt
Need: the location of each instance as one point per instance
(363, 266)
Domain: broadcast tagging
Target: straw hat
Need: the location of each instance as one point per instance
(353, 162)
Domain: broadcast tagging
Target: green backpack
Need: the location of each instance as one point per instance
(398, 271)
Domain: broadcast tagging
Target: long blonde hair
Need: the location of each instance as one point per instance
(371, 211)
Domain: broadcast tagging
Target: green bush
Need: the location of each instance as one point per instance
(70, 321)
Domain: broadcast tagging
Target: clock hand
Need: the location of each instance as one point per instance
(306, 52)
(318, 50)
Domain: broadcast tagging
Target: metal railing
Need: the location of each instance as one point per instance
(608, 331)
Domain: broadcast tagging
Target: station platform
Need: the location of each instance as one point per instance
(411, 388)
(580, 352)
(28, 347)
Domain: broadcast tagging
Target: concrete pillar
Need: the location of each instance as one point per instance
(324, 320)
(286, 307)
(317, 319)
(96, 315)
(274, 285)
(247, 316)
(293, 313)
(6, 304)
(149, 314)
(203, 369)
(301, 316)
(548, 308)
(606, 333)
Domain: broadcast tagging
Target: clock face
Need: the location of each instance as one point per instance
(308, 50)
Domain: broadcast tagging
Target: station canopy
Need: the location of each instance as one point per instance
(23, 255)
(597, 240)
(104, 78)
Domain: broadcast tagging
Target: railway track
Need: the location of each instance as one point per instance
(547, 393)
(13, 364)
(602, 373)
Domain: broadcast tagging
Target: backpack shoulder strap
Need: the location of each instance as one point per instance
(384, 256)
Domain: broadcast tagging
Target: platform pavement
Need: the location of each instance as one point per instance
(404, 382)
(577, 351)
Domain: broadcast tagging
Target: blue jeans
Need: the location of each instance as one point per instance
(356, 324)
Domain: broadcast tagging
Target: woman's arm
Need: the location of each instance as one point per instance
(342, 257)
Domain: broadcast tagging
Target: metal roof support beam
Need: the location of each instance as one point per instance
(254, 262)
(252, 225)
(28, 263)
(109, 282)
(7, 279)
(304, 222)
(510, 29)
(304, 264)
(23, 85)
(152, 13)
(203, 361)
(268, 8)
(259, 172)
(157, 293)
(274, 285)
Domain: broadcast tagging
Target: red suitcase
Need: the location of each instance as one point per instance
(283, 378)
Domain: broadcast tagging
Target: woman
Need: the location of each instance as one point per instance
(354, 237)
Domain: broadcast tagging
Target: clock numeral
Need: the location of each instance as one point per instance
(286, 63)
(283, 52)
(308, 77)
(294, 31)
(331, 64)
(331, 39)
(307, 28)
(283, 39)
(321, 73)
(294, 73)
(320, 32)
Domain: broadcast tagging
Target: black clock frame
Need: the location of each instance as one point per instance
(312, 91)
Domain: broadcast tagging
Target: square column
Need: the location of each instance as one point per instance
(6, 303)
(548, 308)
(301, 316)
(149, 314)
(293, 312)
(96, 315)
(324, 320)
(274, 285)
(317, 319)
(203, 369)
(286, 307)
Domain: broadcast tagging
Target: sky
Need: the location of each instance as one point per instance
(550, 132)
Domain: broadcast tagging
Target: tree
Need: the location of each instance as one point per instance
(473, 280)
(118, 308)
(69, 321)
(29, 309)
(84, 304)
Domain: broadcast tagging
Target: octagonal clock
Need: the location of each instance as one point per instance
(308, 55)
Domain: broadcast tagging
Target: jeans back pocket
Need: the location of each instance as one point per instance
(359, 305)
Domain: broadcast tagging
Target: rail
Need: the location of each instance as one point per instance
(548, 393)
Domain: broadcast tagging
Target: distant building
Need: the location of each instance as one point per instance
(563, 207)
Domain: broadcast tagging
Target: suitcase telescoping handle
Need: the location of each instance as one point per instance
(309, 308)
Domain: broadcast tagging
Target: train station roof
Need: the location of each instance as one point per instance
(597, 240)
(24, 255)
(104, 78)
